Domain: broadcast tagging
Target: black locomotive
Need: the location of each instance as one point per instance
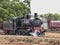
(23, 26)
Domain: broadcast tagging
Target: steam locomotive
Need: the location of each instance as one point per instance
(11, 26)
(15, 26)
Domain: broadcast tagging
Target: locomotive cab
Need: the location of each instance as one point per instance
(9, 26)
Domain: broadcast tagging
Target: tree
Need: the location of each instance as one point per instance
(12, 8)
(27, 2)
(15, 0)
(55, 16)
(4, 14)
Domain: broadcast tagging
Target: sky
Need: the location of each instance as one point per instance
(45, 6)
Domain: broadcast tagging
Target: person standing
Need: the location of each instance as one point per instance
(36, 24)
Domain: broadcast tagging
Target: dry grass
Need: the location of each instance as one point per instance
(49, 39)
(51, 34)
(27, 40)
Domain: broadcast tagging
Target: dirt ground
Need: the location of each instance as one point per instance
(27, 40)
(1, 32)
(48, 34)
(52, 34)
(50, 38)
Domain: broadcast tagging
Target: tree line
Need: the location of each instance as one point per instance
(52, 16)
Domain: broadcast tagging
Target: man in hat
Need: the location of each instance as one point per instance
(36, 24)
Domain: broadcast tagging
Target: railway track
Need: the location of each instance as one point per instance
(47, 34)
